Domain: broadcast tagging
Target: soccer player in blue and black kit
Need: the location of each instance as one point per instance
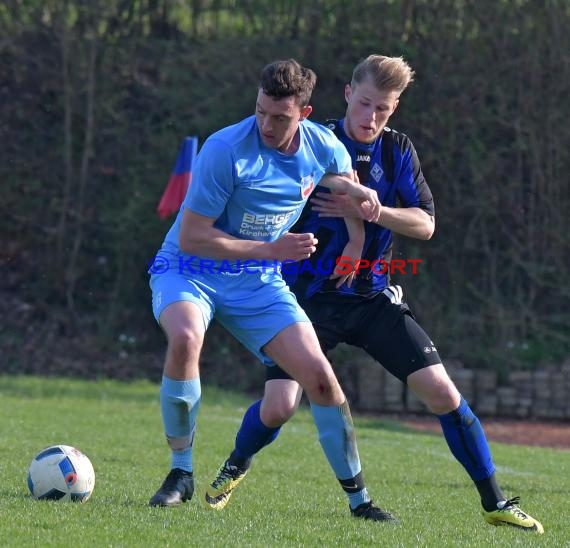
(368, 312)
(221, 259)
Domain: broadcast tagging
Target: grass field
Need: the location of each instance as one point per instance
(290, 497)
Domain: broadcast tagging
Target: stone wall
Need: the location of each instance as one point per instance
(542, 394)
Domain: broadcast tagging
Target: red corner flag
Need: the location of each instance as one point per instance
(180, 179)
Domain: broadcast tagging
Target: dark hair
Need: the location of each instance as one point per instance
(288, 78)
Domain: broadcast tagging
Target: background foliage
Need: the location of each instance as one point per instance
(95, 98)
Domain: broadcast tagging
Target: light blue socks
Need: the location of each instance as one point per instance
(179, 402)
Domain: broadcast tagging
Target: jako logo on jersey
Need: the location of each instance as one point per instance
(363, 158)
(307, 185)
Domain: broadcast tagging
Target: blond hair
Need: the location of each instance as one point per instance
(387, 73)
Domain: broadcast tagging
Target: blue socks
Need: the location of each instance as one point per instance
(179, 402)
(252, 436)
(466, 439)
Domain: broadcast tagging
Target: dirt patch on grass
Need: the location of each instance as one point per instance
(536, 433)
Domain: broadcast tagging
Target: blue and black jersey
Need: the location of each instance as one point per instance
(391, 166)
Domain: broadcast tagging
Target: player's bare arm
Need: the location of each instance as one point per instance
(352, 250)
(198, 236)
(356, 235)
(360, 195)
(408, 221)
(413, 222)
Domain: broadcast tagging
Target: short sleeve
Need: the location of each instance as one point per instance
(212, 179)
(341, 161)
(413, 189)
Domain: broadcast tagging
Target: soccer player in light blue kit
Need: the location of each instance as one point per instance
(221, 258)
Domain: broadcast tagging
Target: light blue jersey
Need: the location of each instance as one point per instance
(254, 192)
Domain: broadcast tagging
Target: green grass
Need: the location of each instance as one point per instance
(290, 498)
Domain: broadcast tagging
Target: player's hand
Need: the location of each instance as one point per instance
(294, 247)
(364, 200)
(335, 205)
(368, 201)
(354, 251)
(342, 205)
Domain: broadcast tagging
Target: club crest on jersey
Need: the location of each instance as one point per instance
(376, 172)
(307, 185)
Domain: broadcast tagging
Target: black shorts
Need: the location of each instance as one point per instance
(386, 330)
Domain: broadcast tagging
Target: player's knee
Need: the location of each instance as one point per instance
(277, 413)
(322, 387)
(184, 344)
(443, 398)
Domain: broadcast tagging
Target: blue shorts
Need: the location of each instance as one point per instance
(252, 306)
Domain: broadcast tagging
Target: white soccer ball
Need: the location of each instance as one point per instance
(61, 472)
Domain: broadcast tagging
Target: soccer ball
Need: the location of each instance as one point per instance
(61, 472)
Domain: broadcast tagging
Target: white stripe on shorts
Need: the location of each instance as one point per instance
(394, 293)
